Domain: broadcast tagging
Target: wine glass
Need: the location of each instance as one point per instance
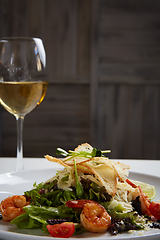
(23, 82)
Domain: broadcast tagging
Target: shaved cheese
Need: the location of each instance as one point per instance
(65, 179)
(124, 195)
(107, 177)
(70, 161)
(121, 170)
(92, 178)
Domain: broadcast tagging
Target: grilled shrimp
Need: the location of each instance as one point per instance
(145, 202)
(95, 218)
(12, 207)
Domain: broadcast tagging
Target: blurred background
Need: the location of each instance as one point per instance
(103, 61)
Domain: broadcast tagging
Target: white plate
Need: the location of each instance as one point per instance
(18, 182)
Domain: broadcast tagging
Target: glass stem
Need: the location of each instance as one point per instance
(20, 163)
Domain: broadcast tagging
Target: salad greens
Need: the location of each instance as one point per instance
(48, 202)
(36, 217)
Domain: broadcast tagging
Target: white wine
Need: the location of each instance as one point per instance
(20, 98)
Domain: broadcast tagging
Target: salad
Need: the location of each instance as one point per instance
(90, 194)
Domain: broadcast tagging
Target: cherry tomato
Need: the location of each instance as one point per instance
(62, 230)
(78, 203)
(154, 209)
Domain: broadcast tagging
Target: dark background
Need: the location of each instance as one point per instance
(104, 72)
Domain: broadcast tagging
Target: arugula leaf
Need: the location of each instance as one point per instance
(96, 152)
(50, 185)
(33, 194)
(65, 178)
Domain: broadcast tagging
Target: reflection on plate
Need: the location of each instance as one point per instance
(18, 182)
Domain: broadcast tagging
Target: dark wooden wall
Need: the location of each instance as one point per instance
(104, 72)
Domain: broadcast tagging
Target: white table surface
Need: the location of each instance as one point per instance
(151, 167)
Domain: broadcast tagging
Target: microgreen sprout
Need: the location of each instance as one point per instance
(79, 188)
(60, 151)
(95, 153)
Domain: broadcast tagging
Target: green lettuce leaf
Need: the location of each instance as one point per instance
(36, 217)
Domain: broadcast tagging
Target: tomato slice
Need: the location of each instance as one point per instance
(62, 230)
(78, 203)
(154, 209)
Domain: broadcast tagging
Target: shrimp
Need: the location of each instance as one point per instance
(12, 207)
(145, 202)
(95, 218)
